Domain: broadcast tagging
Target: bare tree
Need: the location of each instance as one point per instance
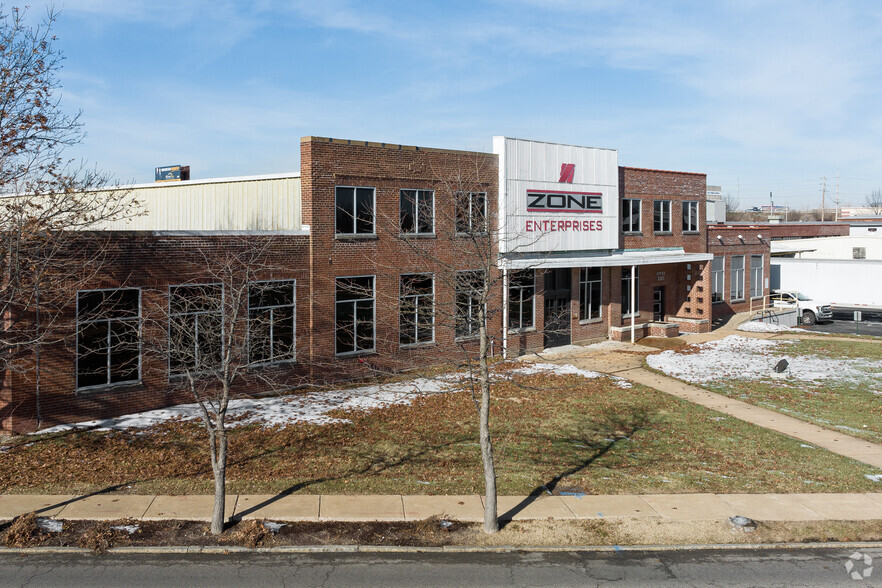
(873, 201)
(46, 201)
(229, 330)
(733, 203)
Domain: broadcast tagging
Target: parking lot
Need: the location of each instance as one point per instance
(843, 322)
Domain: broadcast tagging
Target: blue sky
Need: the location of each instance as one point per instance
(760, 95)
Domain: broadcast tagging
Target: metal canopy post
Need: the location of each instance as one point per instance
(633, 310)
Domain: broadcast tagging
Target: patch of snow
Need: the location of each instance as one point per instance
(744, 358)
(274, 528)
(567, 369)
(806, 446)
(873, 477)
(130, 529)
(760, 327)
(50, 525)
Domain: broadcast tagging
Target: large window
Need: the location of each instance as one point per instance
(108, 337)
(195, 328)
(630, 215)
(690, 217)
(417, 212)
(354, 211)
(271, 315)
(471, 212)
(626, 291)
(756, 276)
(416, 315)
(521, 290)
(469, 293)
(354, 314)
(718, 279)
(736, 277)
(661, 216)
(589, 293)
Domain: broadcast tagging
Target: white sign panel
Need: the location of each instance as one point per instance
(556, 197)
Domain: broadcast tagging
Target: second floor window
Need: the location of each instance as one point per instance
(471, 212)
(630, 215)
(417, 212)
(661, 216)
(354, 211)
(690, 217)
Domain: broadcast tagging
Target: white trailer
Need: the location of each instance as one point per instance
(844, 283)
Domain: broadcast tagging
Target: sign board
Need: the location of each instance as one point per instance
(555, 197)
(169, 173)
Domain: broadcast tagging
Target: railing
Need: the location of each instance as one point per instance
(760, 304)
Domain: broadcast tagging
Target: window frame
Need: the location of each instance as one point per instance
(356, 233)
(734, 281)
(756, 285)
(171, 314)
(416, 310)
(858, 252)
(691, 217)
(722, 276)
(626, 291)
(419, 193)
(373, 299)
(639, 204)
(471, 321)
(293, 307)
(471, 214)
(77, 325)
(586, 292)
(661, 217)
(521, 288)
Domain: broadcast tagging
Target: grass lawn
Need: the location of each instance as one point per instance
(852, 405)
(560, 432)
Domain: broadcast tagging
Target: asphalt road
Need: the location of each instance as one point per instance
(843, 322)
(743, 567)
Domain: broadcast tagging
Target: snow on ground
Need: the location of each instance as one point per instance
(311, 407)
(760, 327)
(737, 357)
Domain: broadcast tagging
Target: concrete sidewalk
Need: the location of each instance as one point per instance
(662, 507)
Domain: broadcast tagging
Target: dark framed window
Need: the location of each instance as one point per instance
(354, 210)
(416, 309)
(630, 215)
(756, 276)
(195, 328)
(417, 212)
(661, 216)
(354, 314)
(589, 293)
(736, 278)
(690, 217)
(271, 321)
(521, 291)
(859, 252)
(469, 294)
(108, 337)
(626, 291)
(471, 212)
(718, 279)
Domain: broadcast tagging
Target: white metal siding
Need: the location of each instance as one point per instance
(235, 205)
(837, 282)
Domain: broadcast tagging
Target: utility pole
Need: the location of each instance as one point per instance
(823, 197)
(836, 218)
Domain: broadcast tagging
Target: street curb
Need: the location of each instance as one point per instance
(337, 549)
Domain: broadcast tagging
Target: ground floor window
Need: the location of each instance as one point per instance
(195, 328)
(271, 316)
(108, 337)
(718, 276)
(469, 294)
(416, 314)
(736, 277)
(756, 276)
(354, 314)
(521, 291)
(626, 291)
(589, 293)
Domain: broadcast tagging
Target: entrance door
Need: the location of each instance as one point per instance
(557, 307)
(658, 303)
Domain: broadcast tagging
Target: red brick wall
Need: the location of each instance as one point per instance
(728, 241)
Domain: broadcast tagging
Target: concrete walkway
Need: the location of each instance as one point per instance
(662, 507)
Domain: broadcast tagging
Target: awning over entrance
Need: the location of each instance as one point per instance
(619, 257)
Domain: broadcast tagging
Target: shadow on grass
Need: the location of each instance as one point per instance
(611, 431)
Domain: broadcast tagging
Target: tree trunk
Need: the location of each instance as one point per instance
(219, 467)
(491, 521)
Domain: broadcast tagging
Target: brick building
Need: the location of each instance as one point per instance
(369, 255)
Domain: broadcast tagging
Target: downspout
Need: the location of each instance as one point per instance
(504, 313)
(633, 310)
